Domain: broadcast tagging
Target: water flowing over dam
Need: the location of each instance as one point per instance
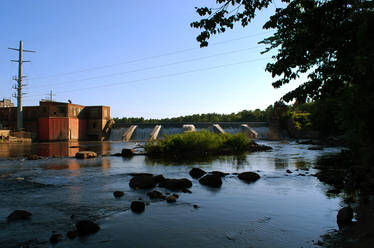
(142, 132)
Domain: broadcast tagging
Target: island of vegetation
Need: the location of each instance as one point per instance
(201, 144)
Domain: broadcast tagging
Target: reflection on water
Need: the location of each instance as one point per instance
(53, 149)
(276, 211)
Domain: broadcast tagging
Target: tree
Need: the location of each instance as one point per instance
(331, 41)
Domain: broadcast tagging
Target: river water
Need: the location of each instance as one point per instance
(279, 210)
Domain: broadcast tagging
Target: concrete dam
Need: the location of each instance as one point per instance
(153, 131)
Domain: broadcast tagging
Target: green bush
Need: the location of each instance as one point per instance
(198, 143)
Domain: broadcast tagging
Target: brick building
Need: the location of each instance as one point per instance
(57, 121)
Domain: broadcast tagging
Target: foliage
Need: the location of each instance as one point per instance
(242, 116)
(331, 41)
(200, 143)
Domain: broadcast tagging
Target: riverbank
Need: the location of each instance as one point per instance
(355, 184)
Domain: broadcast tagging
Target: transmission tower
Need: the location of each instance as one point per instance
(19, 85)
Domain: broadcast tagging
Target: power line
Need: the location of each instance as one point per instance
(149, 68)
(147, 58)
(162, 76)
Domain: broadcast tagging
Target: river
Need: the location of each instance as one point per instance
(279, 210)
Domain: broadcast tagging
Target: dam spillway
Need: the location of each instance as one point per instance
(143, 131)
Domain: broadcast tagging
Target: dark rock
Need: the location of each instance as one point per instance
(176, 184)
(249, 177)
(159, 178)
(344, 217)
(176, 196)
(213, 180)
(118, 194)
(187, 191)
(155, 195)
(126, 152)
(72, 234)
(219, 173)
(137, 206)
(140, 174)
(85, 155)
(55, 238)
(315, 148)
(196, 173)
(171, 199)
(288, 171)
(301, 174)
(86, 227)
(34, 157)
(19, 215)
(143, 182)
(195, 206)
(116, 154)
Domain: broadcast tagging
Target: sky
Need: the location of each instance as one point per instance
(141, 57)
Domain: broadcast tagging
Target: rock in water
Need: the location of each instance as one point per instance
(176, 184)
(55, 238)
(213, 180)
(118, 194)
(171, 199)
(72, 234)
(19, 215)
(137, 206)
(143, 182)
(249, 177)
(86, 227)
(155, 195)
(344, 217)
(126, 152)
(196, 173)
(85, 155)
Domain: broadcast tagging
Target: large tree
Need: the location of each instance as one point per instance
(331, 41)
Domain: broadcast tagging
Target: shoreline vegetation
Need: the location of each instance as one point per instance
(201, 144)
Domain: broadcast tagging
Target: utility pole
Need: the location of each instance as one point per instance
(51, 95)
(19, 85)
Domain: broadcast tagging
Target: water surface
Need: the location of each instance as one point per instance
(279, 210)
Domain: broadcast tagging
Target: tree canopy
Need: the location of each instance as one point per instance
(330, 41)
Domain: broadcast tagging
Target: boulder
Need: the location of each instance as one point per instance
(85, 155)
(315, 148)
(212, 180)
(55, 238)
(288, 171)
(155, 195)
(196, 173)
(34, 157)
(146, 181)
(219, 173)
(344, 217)
(249, 177)
(118, 194)
(187, 191)
(72, 234)
(176, 184)
(137, 206)
(159, 178)
(171, 199)
(86, 227)
(19, 215)
(126, 152)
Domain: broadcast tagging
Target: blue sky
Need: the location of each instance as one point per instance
(139, 57)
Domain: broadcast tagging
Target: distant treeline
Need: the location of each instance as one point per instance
(242, 116)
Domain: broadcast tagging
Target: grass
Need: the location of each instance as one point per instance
(201, 143)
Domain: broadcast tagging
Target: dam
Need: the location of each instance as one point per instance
(152, 131)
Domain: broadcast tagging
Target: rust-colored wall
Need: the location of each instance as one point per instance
(53, 128)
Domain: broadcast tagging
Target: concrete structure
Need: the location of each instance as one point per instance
(218, 129)
(155, 132)
(250, 132)
(57, 121)
(127, 135)
(189, 128)
(6, 103)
